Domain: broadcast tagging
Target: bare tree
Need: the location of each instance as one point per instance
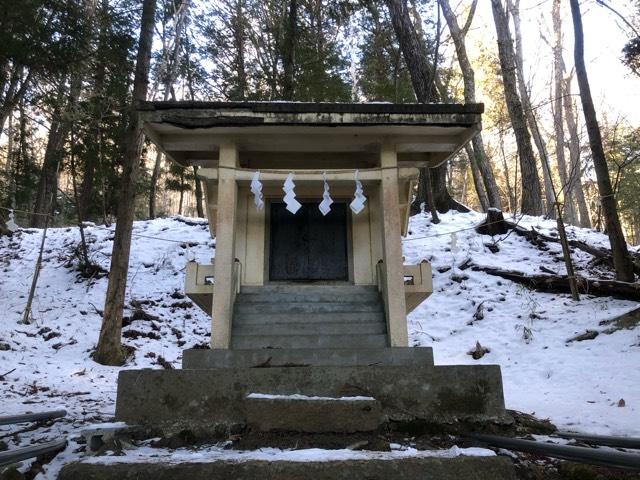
(621, 260)
(570, 117)
(168, 72)
(557, 102)
(477, 154)
(531, 191)
(532, 122)
(109, 349)
(432, 183)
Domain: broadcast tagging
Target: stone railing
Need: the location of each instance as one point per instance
(199, 283)
(418, 284)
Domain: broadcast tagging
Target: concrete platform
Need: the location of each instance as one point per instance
(304, 357)
(314, 415)
(429, 468)
(211, 401)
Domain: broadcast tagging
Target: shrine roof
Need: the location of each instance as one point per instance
(190, 132)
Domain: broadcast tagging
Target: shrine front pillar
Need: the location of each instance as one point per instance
(392, 276)
(224, 281)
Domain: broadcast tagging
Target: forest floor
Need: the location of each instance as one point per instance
(590, 386)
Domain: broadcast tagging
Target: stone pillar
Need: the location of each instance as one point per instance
(223, 289)
(392, 249)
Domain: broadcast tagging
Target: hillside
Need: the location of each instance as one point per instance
(578, 385)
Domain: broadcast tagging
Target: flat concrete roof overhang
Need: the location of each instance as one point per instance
(191, 133)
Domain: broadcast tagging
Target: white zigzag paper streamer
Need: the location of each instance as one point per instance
(357, 204)
(256, 189)
(290, 196)
(325, 205)
(11, 225)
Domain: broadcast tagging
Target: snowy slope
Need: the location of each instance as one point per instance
(577, 385)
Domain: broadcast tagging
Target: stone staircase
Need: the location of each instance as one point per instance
(309, 316)
(308, 364)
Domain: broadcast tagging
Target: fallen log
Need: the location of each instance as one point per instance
(560, 283)
(603, 255)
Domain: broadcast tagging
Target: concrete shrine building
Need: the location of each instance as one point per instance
(273, 251)
(308, 307)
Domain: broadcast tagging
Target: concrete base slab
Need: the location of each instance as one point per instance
(305, 357)
(314, 415)
(208, 402)
(430, 468)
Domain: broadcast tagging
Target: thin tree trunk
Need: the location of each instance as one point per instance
(199, 196)
(532, 122)
(621, 259)
(482, 165)
(10, 165)
(557, 102)
(531, 192)
(109, 349)
(575, 173)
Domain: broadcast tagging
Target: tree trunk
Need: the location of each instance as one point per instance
(414, 51)
(532, 122)
(557, 102)
(169, 66)
(621, 260)
(198, 190)
(477, 179)
(482, 164)
(531, 192)
(97, 110)
(288, 59)
(14, 93)
(575, 177)
(153, 187)
(416, 54)
(48, 179)
(442, 200)
(109, 349)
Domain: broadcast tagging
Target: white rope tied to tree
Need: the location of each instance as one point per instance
(325, 205)
(290, 195)
(357, 204)
(256, 189)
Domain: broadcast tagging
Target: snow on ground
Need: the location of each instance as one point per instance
(47, 365)
(218, 452)
(577, 385)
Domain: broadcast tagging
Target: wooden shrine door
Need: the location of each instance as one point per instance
(308, 246)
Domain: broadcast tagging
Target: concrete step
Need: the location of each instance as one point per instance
(309, 289)
(308, 341)
(333, 328)
(301, 295)
(308, 414)
(372, 466)
(225, 358)
(308, 307)
(206, 400)
(260, 318)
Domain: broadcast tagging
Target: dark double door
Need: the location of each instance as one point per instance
(308, 246)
